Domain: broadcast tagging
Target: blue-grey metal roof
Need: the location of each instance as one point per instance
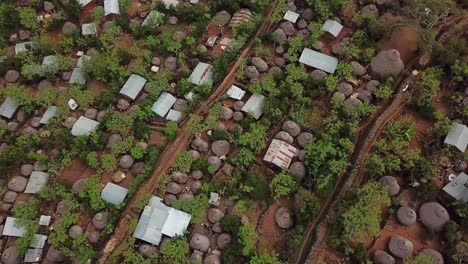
(133, 86)
(169, 3)
(8, 108)
(84, 2)
(174, 115)
(23, 46)
(81, 61)
(48, 61)
(38, 241)
(202, 74)
(12, 229)
(50, 113)
(254, 106)
(458, 187)
(158, 219)
(33, 255)
(111, 7)
(458, 137)
(291, 16)
(113, 193)
(152, 19)
(235, 92)
(88, 29)
(37, 181)
(333, 27)
(318, 60)
(77, 76)
(84, 126)
(44, 220)
(163, 104)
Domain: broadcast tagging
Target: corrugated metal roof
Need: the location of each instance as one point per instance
(84, 2)
(202, 74)
(236, 92)
(84, 126)
(33, 255)
(254, 106)
(291, 16)
(113, 193)
(318, 60)
(11, 229)
(458, 187)
(81, 61)
(169, 3)
(48, 114)
(88, 29)
(280, 153)
(44, 220)
(174, 115)
(240, 16)
(22, 47)
(152, 19)
(37, 181)
(158, 219)
(50, 60)
(458, 137)
(133, 86)
(77, 76)
(38, 241)
(8, 108)
(111, 7)
(333, 27)
(163, 104)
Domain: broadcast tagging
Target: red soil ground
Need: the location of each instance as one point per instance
(404, 40)
(76, 171)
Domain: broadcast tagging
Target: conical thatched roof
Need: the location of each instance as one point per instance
(284, 218)
(199, 242)
(406, 216)
(100, 220)
(292, 128)
(400, 246)
(297, 169)
(223, 240)
(10, 256)
(221, 148)
(304, 138)
(54, 255)
(212, 259)
(283, 135)
(434, 216)
(438, 259)
(391, 185)
(75, 231)
(215, 215)
(387, 63)
(382, 257)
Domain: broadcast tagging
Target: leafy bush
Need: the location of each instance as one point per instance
(283, 184)
(170, 130)
(195, 207)
(258, 184)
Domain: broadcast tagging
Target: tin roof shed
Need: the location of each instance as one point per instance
(202, 74)
(163, 104)
(50, 113)
(333, 27)
(291, 16)
(84, 126)
(318, 60)
(11, 229)
(458, 137)
(111, 7)
(458, 187)
(133, 86)
(33, 255)
(37, 181)
(77, 77)
(280, 153)
(8, 108)
(84, 2)
(88, 29)
(254, 106)
(174, 115)
(113, 193)
(152, 19)
(170, 3)
(158, 219)
(38, 241)
(81, 61)
(23, 46)
(235, 92)
(49, 61)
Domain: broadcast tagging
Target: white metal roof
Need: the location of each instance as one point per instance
(11, 229)
(152, 18)
(236, 92)
(84, 2)
(22, 47)
(48, 114)
(88, 29)
(37, 181)
(113, 193)
(133, 86)
(254, 106)
(38, 241)
(318, 60)
(111, 7)
(169, 3)
(50, 60)
(77, 76)
(291, 16)
(158, 219)
(81, 61)
(458, 137)
(33, 255)
(84, 126)
(44, 220)
(333, 27)
(163, 104)
(280, 153)
(174, 115)
(8, 108)
(458, 187)
(202, 74)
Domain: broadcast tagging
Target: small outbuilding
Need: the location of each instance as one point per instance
(254, 106)
(12, 229)
(333, 27)
(406, 216)
(50, 113)
(280, 153)
(163, 104)
(33, 255)
(37, 181)
(241, 16)
(8, 108)
(318, 60)
(458, 137)
(153, 19)
(113, 193)
(174, 115)
(458, 188)
(390, 184)
(23, 47)
(84, 126)
(49, 61)
(291, 16)
(111, 7)
(77, 77)
(88, 29)
(434, 216)
(382, 257)
(236, 92)
(133, 86)
(84, 2)
(435, 255)
(400, 247)
(202, 74)
(38, 241)
(170, 3)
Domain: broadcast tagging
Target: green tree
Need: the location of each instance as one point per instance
(283, 184)
(247, 239)
(91, 159)
(28, 18)
(176, 252)
(195, 207)
(266, 259)
(108, 162)
(421, 258)
(170, 130)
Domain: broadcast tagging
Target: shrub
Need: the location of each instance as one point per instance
(195, 207)
(170, 130)
(283, 184)
(259, 185)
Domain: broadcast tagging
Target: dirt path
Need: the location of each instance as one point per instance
(173, 149)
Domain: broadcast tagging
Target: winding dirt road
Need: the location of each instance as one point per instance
(173, 149)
